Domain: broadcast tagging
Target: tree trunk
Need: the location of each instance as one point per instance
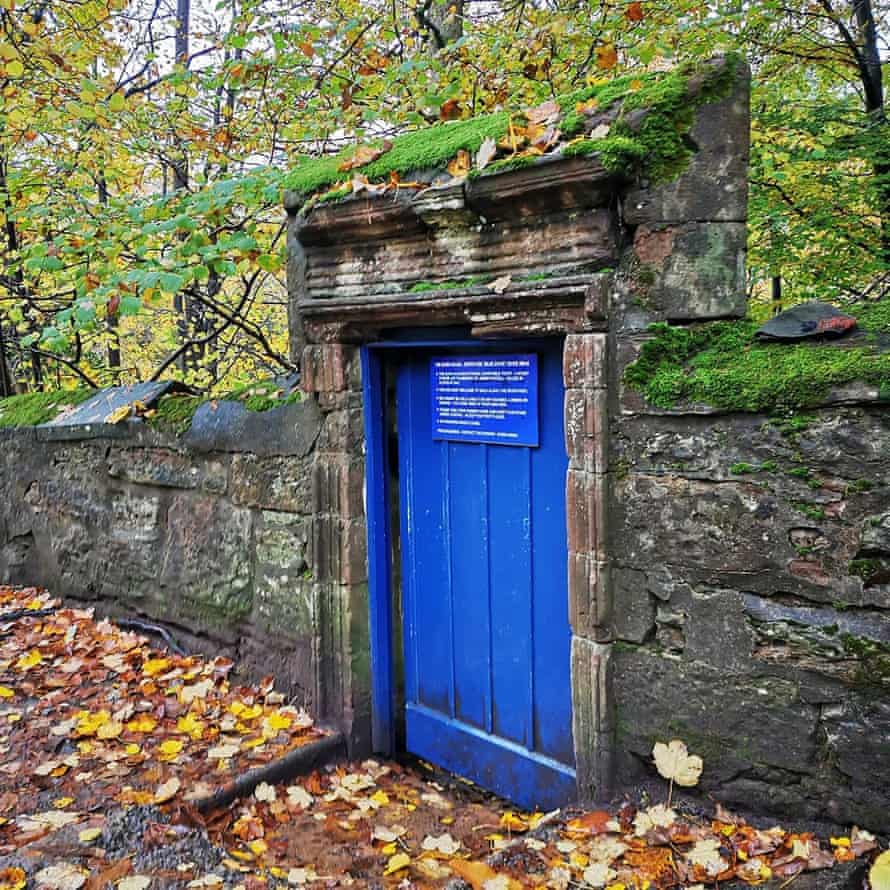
(872, 78)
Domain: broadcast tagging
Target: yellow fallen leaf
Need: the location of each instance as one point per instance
(380, 797)
(143, 723)
(6, 692)
(30, 660)
(397, 863)
(155, 666)
(88, 835)
(191, 726)
(61, 802)
(89, 724)
(169, 749)
(118, 414)
(110, 730)
(275, 722)
(258, 847)
(132, 749)
(167, 791)
(879, 875)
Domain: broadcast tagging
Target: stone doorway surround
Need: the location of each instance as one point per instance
(576, 251)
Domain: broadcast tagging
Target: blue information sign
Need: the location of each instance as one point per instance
(485, 398)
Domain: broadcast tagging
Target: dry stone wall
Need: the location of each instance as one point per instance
(751, 604)
(214, 534)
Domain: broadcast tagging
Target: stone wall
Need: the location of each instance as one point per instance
(751, 604)
(220, 534)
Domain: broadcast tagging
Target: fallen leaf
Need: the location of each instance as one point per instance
(705, 854)
(134, 882)
(265, 793)
(634, 12)
(546, 113)
(61, 877)
(499, 285)
(675, 763)
(445, 844)
(879, 874)
(119, 414)
(658, 816)
(363, 155)
(487, 153)
(167, 791)
(397, 863)
(599, 874)
(460, 165)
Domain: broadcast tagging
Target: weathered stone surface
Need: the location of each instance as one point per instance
(592, 718)
(274, 483)
(167, 469)
(695, 270)
(229, 426)
(714, 186)
(207, 575)
(732, 721)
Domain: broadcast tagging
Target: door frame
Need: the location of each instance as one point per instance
(377, 510)
(379, 521)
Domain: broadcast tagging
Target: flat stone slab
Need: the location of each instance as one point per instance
(95, 410)
(229, 426)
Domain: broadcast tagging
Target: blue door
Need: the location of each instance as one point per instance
(484, 587)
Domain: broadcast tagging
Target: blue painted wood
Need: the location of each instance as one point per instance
(485, 597)
(379, 544)
(526, 777)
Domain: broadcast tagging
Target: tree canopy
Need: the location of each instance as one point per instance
(145, 145)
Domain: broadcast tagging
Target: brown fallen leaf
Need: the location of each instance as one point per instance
(364, 154)
(460, 165)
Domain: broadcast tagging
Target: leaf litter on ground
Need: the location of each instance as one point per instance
(104, 741)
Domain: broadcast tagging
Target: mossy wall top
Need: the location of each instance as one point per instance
(723, 366)
(652, 142)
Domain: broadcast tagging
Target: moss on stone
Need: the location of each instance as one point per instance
(873, 658)
(722, 365)
(450, 284)
(34, 408)
(811, 511)
(655, 143)
(263, 396)
(175, 412)
(742, 468)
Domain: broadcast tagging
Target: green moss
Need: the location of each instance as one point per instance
(656, 143)
(873, 657)
(262, 396)
(721, 364)
(859, 486)
(174, 413)
(34, 408)
(867, 569)
(801, 473)
(472, 281)
(811, 511)
(743, 469)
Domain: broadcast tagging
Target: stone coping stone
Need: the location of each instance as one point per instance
(229, 426)
(95, 409)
